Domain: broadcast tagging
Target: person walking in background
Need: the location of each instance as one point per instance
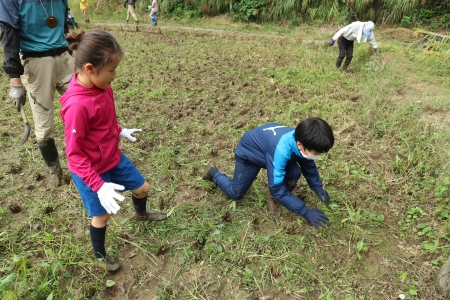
(93, 144)
(285, 153)
(154, 12)
(356, 31)
(71, 19)
(130, 10)
(83, 8)
(36, 30)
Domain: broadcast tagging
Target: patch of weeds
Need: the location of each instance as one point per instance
(414, 214)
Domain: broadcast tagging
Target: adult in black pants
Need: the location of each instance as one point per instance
(346, 36)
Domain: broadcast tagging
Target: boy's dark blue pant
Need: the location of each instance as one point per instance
(244, 175)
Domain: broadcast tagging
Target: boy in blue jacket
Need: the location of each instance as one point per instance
(286, 153)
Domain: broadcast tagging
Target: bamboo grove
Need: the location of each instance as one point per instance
(380, 11)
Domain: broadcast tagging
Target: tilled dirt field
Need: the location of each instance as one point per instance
(194, 94)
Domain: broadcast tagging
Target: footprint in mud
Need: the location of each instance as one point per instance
(48, 210)
(14, 169)
(15, 208)
(38, 176)
(66, 178)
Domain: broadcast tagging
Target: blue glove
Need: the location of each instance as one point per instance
(323, 196)
(331, 43)
(316, 217)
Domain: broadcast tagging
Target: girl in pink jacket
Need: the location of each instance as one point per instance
(93, 144)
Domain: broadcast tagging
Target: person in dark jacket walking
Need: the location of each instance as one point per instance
(286, 153)
(130, 10)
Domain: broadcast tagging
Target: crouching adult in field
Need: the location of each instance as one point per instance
(286, 153)
(346, 36)
(93, 144)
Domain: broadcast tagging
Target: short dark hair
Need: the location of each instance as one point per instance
(315, 134)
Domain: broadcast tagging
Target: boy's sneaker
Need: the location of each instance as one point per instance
(210, 171)
(150, 216)
(111, 266)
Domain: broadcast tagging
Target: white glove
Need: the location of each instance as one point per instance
(107, 193)
(128, 133)
(17, 95)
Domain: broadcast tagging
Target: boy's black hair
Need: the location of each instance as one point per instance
(315, 134)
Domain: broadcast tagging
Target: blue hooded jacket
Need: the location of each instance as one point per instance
(273, 147)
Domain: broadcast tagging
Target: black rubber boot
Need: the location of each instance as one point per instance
(339, 62)
(140, 206)
(347, 63)
(51, 158)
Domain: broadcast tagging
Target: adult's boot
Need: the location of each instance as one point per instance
(347, 63)
(51, 158)
(339, 62)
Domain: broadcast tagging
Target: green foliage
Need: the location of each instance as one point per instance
(414, 213)
(180, 9)
(247, 10)
(423, 15)
(442, 21)
(406, 22)
(435, 16)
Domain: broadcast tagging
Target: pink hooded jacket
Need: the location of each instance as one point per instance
(91, 131)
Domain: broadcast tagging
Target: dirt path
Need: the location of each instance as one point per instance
(161, 29)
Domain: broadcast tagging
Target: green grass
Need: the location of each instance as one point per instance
(194, 94)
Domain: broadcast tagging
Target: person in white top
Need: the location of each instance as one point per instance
(356, 31)
(154, 12)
